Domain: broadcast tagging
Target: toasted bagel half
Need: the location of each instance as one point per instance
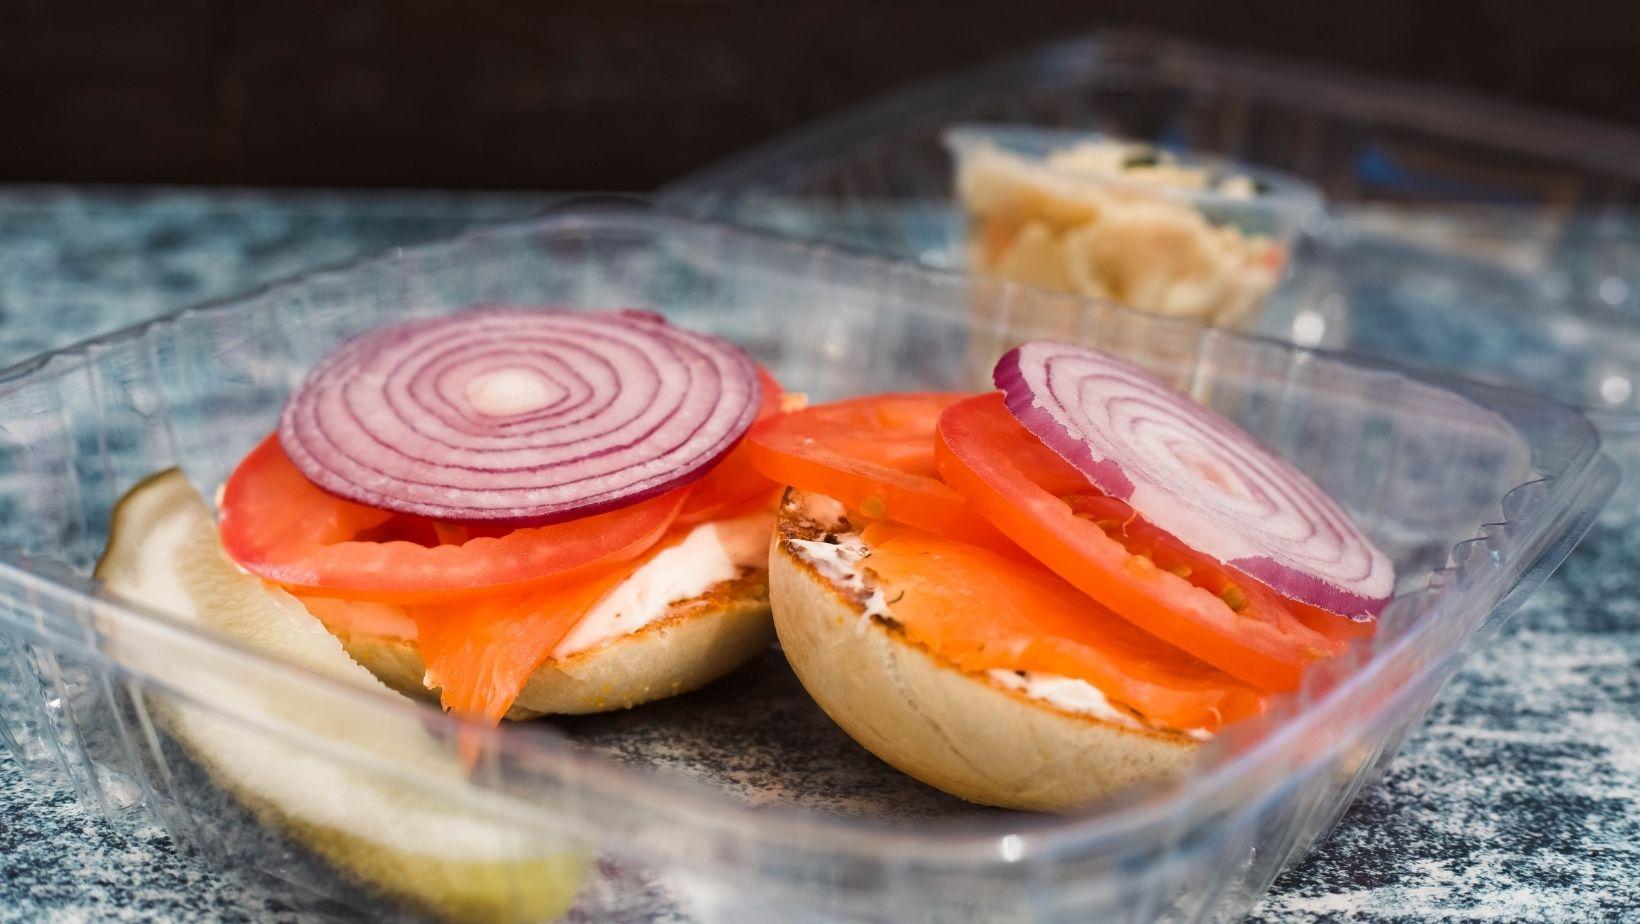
(964, 733)
(695, 642)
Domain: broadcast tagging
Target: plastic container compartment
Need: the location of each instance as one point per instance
(1492, 241)
(741, 802)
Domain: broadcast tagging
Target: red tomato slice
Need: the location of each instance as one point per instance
(1009, 477)
(734, 484)
(1053, 474)
(277, 524)
(984, 611)
(730, 486)
(875, 455)
(1233, 586)
(1340, 629)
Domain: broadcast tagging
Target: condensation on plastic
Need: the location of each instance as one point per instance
(742, 803)
(1468, 236)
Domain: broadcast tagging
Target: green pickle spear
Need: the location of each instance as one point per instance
(416, 842)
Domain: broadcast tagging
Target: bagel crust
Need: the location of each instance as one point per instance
(959, 732)
(696, 642)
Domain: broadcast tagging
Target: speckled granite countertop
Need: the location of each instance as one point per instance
(1519, 799)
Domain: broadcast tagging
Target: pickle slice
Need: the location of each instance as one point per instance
(415, 841)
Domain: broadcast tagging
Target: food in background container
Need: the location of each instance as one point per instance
(1035, 597)
(1125, 221)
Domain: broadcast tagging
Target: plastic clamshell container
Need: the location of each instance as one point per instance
(740, 802)
(1487, 240)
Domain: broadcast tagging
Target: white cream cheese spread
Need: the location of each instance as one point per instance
(820, 509)
(1073, 695)
(843, 563)
(841, 555)
(1067, 693)
(710, 554)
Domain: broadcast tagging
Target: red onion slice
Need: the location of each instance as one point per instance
(519, 416)
(1194, 474)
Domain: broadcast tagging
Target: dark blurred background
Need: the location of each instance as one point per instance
(625, 94)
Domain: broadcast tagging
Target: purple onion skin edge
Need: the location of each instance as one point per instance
(552, 518)
(1297, 585)
(1106, 475)
(1109, 478)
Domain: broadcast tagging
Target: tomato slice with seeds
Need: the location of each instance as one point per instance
(1034, 497)
(734, 484)
(1047, 470)
(875, 455)
(278, 525)
(983, 611)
